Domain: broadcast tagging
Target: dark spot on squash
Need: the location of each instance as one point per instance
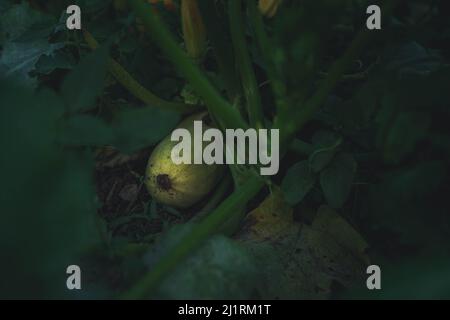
(163, 181)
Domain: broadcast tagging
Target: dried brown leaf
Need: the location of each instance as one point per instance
(299, 260)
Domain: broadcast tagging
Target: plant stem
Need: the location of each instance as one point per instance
(216, 104)
(208, 226)
(135, 88)
(250, 86)
(218, 35)
(336, 71)
(295, 122)
(215, 198)
(266, 49)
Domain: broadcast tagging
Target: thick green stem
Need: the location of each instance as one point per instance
(244, 63)
(208, 226)
(215, 198)
(216, 104)
(135, 88)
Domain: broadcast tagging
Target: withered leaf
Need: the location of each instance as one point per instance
(300, 261)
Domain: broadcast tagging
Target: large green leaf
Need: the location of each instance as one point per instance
(20, 22)
(131, 129)
(84, 84)
(19, 58)
(326, 145)
(399, 130)
(47, 198)
(297, 183)
(85, 130)
(336, 180)
(410, 202)
(141, 127)
(220, 269)
(24, 35)
(48, 63)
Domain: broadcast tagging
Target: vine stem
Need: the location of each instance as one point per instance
(200, 232)
(295, 121)
(249, 84)
(298, 118)
(266, 48)
(215, 198)
(216, 104)
(218, 36)
(134, 87)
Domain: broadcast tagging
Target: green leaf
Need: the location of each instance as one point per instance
(5, 5)
(85, 83)
(47, 200)
(299, 180)
(19, 58)
(220, 269)
(24, 36)
(48, 63)
(131, 129)
(20, 22)
(336, 180)
(401, 203)
(326, 144)
(84, 130)
(399, 130)
(142, 127)
(410, 59)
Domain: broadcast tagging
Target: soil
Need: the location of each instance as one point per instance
(124, 199)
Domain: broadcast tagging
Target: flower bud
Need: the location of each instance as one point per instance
(168, 4)
(268, 8)
(193, 29)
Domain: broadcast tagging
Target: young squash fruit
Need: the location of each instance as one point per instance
(181, 185)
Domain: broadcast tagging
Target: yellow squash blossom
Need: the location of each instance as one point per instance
(193, 29)
(268, 8)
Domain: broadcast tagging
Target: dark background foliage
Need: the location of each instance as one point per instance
(75, 143)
